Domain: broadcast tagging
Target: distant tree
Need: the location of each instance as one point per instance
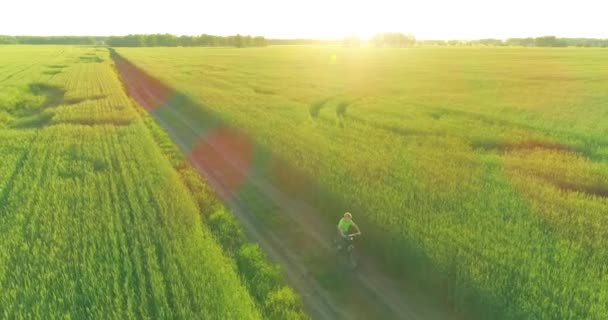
(168, 40)
(8, 40)
(432, 42)
(393, 40)
(204, 40)
(238, 41)
(303, 42)
(186, 41)
(490, 42)
(549, 41)
(84, 40)
(248, 41)
(259, 41)
(586, 42)
(524, 42)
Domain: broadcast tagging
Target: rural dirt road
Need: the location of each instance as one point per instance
(303, 249)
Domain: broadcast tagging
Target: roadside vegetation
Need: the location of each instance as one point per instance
(263, 279)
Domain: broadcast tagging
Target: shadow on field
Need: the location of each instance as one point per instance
(35, 111)
(54, 95)
(31, 113)
(597, 190)
(341, 107)
(54, 69)
(73, 101)
(52, 72)
(289, 214)
(77, 163)
(91, 59)
(316, 107)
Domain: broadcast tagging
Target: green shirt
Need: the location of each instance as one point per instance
(344, 225)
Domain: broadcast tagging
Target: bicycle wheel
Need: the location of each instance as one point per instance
(337, 244)
(352, 257)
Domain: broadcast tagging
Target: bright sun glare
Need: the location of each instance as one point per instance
(431, 19)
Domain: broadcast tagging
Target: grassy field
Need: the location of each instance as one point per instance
(482, 171)
(95, 220)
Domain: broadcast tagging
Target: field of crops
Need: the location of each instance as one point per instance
(95, 222)
(483, 170)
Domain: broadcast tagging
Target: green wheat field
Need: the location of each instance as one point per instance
(481, 171)
(97, 219)
(489, 164)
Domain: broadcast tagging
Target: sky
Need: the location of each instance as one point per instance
(428, 19)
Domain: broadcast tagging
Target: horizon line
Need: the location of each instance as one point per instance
(309, 38)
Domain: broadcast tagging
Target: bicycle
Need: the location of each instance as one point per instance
(346, 246)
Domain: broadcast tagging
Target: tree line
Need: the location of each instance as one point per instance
(142, 40)
(169, 40)
(545, 41)
(394, 40)
(84, 40)
(303, 42)
(378, 40)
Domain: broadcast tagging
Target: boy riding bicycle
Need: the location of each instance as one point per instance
(343, 228)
